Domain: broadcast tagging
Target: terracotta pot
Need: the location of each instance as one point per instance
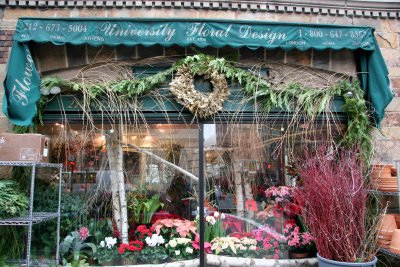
(383, 243)
(393, 171)
(386, 225)
(395, 244)
(384, 237)
(381, 170)
(298, 255)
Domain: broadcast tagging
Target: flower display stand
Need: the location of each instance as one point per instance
(218, 260)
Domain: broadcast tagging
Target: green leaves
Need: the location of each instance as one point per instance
(13, 202)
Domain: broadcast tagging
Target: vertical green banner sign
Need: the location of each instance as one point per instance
(22, 86)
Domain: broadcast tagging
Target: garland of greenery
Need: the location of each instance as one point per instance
(293, 95)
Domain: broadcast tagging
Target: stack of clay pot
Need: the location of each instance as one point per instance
(386, 226)
(384, 178)
(395, 244)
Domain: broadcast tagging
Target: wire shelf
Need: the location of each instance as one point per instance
(384, 193)
(37, 217)
(29, 164)
(388, 252)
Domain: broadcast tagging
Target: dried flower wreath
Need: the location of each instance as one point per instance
(201, 104)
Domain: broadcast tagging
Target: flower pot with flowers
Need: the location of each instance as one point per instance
(299, 242)
(334, 205)
(270, 244)
(280, 199)
(74, 249)
(180, 248)
(106, 251)
(155, 252)
(130, 252)
(214, 226)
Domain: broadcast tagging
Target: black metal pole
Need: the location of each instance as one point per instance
(201, 193)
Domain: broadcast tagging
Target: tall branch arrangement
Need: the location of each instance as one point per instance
(333, 201)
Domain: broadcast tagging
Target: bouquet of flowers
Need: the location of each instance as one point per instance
(180, 248)
(297, 240)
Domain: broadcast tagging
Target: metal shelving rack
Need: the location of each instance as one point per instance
(35, 217)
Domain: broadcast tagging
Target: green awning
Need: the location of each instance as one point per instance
(22, 84)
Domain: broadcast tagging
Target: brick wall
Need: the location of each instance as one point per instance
(387, 33)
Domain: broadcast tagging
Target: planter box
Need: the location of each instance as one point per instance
(227, 261)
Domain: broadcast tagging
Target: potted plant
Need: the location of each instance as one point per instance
(155, 252)
(74, 250)
(106, 251)
(130, 252)
(334, 206)
(299, 242)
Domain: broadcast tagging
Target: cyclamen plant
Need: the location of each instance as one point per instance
(106, 251)
(131, 251)
(154, 252)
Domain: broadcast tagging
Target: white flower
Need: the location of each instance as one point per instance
(172, 243)
(211, 220)
(177, 252)
(154, 240)
(222, 216)
(216, 214)
(182, 241)
(252, 248)
(189, 250)
(102, 244)
(110, 242)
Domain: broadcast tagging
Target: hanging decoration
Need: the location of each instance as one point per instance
(201, 104)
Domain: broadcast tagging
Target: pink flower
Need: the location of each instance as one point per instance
(83, 233)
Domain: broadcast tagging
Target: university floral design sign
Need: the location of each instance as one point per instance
(199, 33)
(22, 84)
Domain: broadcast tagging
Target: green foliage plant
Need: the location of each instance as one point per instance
(73, 249)
(155, 255)
(13, 202)
(100, 228)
